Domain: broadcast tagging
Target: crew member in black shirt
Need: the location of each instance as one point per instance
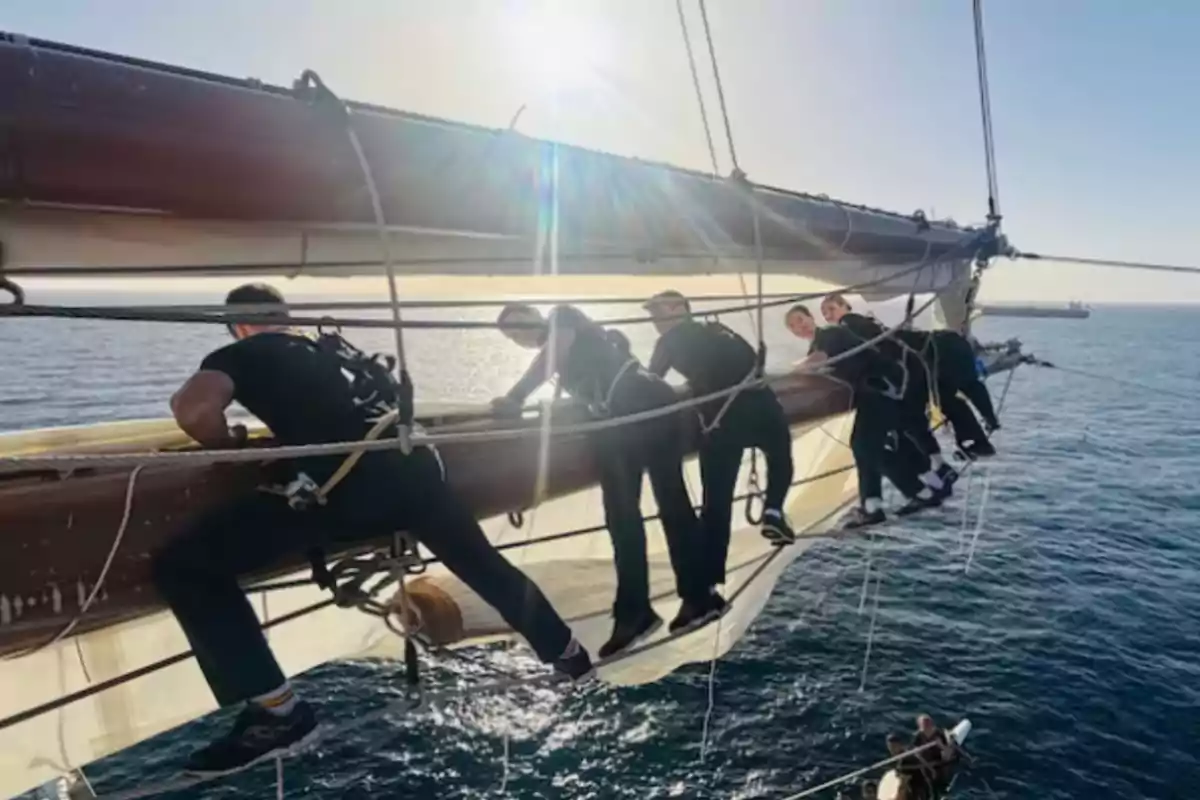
(597, 367)
(875, 383)
(914, 404)
(711, 357)
(299, 392)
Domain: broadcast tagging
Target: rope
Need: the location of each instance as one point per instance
(403, 428)
(61, 462)
(687, 43)
(862, 684)
(375, 305)
(987, 483)
(985, 109)
(554, 537)
(1192, 396)
(858, 773)
(167, 314)
(1102, 262)
(712, 55)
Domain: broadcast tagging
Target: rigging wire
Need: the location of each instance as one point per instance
(1158, 390)
(687, 43)
(1104, 262)
(159, 314)
(712, 55)
(985, 109)
(59, 462)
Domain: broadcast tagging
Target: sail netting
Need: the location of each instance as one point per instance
(576, 573)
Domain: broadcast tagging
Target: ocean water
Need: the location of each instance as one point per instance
(1055, 601)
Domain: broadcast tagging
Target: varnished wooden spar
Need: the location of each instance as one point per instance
(90, 130)
(56, 531)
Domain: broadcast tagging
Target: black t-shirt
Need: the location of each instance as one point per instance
(868, 328)
(595, 359)
(298, 391)
(835, 340)
(710, 356)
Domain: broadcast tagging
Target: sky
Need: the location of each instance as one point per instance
(871, 101)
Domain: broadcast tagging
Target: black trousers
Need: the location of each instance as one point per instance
(197, 573)
(914, 408)
(755, 418)
(624, 454)
(877, 420)
(954, 365)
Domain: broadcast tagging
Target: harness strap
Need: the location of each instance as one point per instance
(606, 403)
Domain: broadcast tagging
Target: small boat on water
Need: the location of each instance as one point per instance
(121, 167)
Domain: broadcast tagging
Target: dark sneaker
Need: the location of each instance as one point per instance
(918, 504)
(575, 663)
(695, 614)
(628, 632)
(858, 518)
(775, 528)
(257, 735)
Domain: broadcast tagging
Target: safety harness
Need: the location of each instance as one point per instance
(380, 397)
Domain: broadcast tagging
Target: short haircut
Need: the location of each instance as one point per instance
(259, 294)
(799, 308)
(836, 297)
(669, 296)
(513, 309)
(895, 738)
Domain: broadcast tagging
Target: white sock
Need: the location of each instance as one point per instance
(872, 504)
(932, 480)
(925, 494)
(936, 461)
(774, 512)
(279, 702)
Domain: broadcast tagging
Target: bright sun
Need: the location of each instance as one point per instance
(557, 48)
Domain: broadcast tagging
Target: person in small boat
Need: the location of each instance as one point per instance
(713, 358)
(869, 790)
(875, 383)
(594, 366)
(934, 471)
(916, 777)
(939, 760)
(298, 390)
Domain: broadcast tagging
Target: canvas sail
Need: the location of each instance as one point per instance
(577, 575)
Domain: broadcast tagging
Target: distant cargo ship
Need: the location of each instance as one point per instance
(1073, 310)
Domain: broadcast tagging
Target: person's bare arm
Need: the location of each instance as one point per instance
(813, 359)
(539, 370)
(199, 408)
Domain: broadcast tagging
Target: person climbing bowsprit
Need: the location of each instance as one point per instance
(300, 391)
(914, 396)
(597, 367)
(878, 414)
(713, 358)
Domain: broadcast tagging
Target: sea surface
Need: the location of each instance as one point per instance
(1072, 641)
